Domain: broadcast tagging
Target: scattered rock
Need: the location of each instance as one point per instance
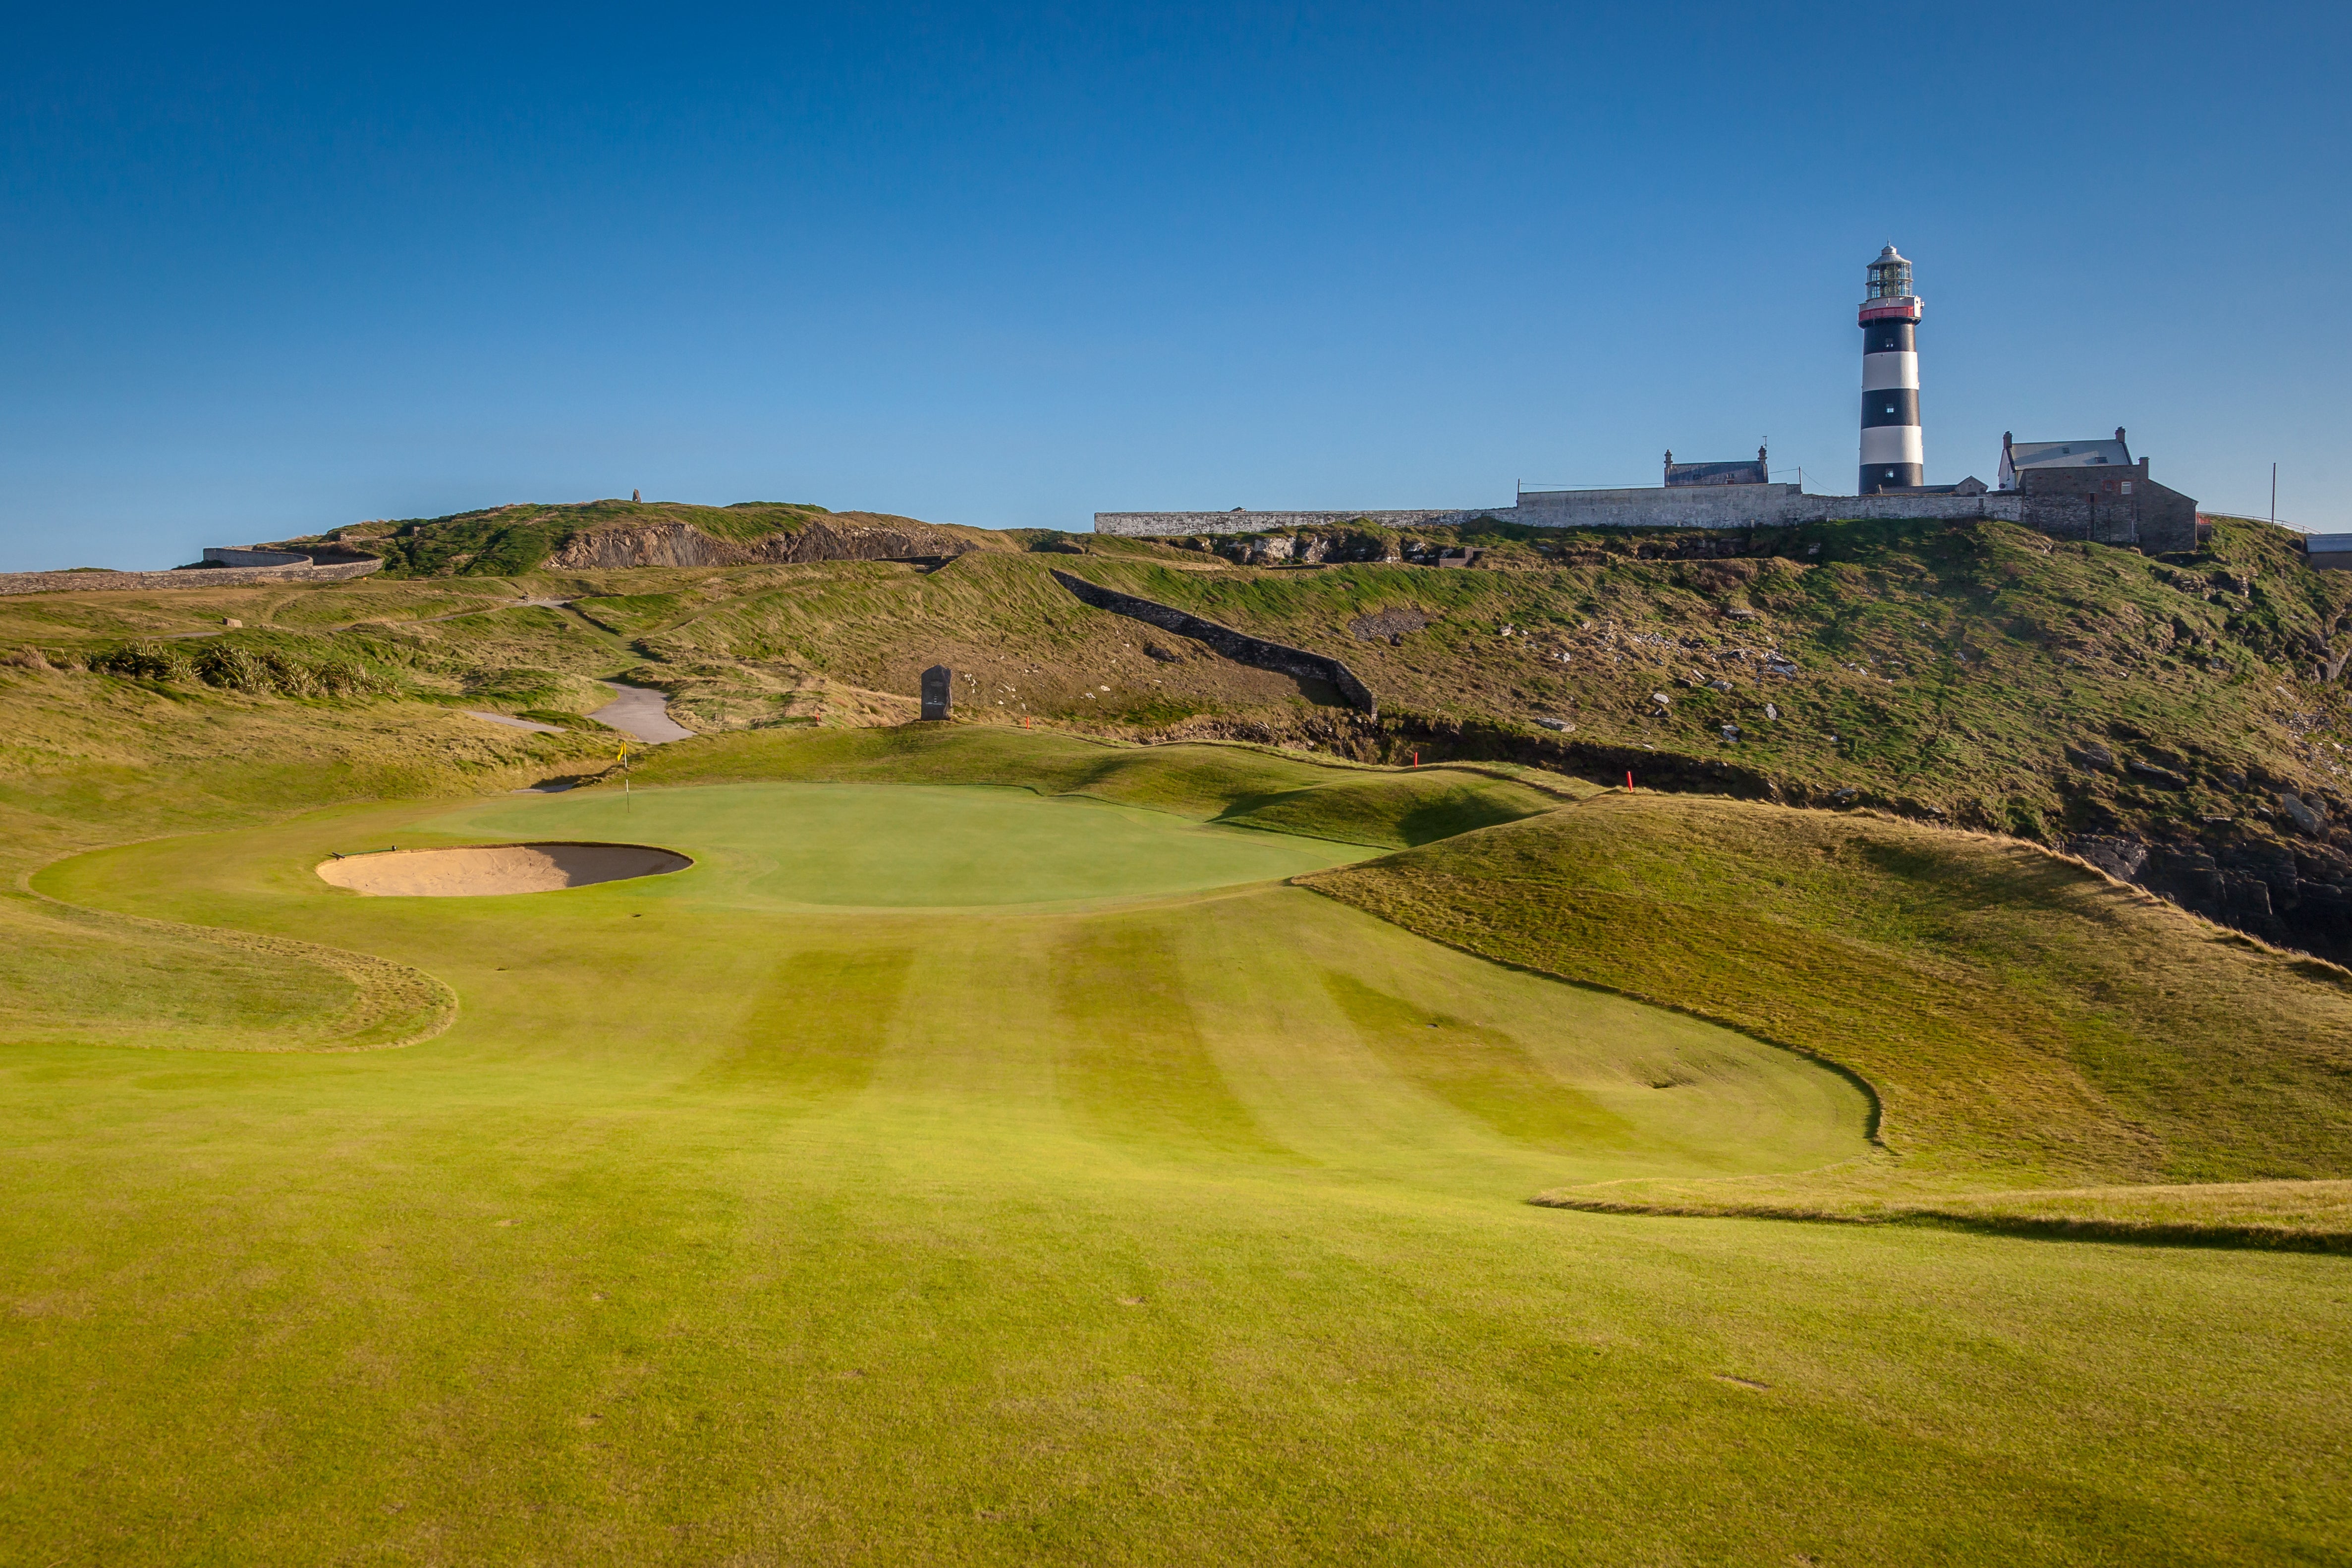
(1390, 626)
(1562, 725)
(1771, 712)
(2118, 857)
(1731, 733)
(232, 622)
(2156, 774)
(2305, 819)
(1719, 685)
(2091, 754)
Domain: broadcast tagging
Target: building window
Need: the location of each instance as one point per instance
(2127, 486)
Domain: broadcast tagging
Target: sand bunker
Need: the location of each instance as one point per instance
(481, 870)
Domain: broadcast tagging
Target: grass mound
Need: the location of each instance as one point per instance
(1241, 785)
(2024, 1021)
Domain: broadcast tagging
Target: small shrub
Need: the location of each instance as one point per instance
(144, 661)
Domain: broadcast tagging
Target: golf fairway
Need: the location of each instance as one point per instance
(945, 1174)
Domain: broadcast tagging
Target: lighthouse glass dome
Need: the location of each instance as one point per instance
(1890, 276)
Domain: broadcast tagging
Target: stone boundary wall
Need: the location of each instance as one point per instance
(252, 555)
(1684, 506)
(2005, 506)
(1679, 506)
(1159, 524)
(149, 582)
(1239, 646)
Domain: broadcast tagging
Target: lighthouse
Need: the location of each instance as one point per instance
(1892, 455)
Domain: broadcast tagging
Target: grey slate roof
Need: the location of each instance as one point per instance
(2068, 454)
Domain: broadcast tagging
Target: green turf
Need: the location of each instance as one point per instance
(920, 1202)
(777, 845)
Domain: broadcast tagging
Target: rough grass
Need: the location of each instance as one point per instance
(1941, 666)
(2024, 1021)
(88, 761)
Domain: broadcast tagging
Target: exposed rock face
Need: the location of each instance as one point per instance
(1312, 549)
(680, 544)
(2296, 896)
(2309, 820)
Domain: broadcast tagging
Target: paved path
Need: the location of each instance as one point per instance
(641, 711)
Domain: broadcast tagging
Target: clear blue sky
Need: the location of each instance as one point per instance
(1007, 265)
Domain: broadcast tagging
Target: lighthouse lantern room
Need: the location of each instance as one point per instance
(1893, 457)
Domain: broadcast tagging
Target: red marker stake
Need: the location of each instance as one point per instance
(1416, 759)
(1629, 779)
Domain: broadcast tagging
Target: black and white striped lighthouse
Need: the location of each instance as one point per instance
(1891, 454)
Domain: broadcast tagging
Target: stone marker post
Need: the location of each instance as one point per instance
(938, 691)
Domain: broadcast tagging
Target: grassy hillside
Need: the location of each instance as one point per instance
(1945, 664)
(2151, 714)
(522, 537)
(90, 759)
(2024, 1021)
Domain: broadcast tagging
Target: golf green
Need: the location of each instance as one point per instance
(776, 845)
(948, 1174)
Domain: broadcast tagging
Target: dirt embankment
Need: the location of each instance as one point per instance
(845, 536)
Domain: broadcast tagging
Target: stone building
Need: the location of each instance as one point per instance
(1740, 473)
(2094, 490)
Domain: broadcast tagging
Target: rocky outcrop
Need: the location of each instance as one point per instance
(831, 539)
(2297, 895)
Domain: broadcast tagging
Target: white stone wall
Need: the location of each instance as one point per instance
(1159, 524)
(1682, 506)
(1678, 506)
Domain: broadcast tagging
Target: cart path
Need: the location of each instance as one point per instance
(642, 713)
